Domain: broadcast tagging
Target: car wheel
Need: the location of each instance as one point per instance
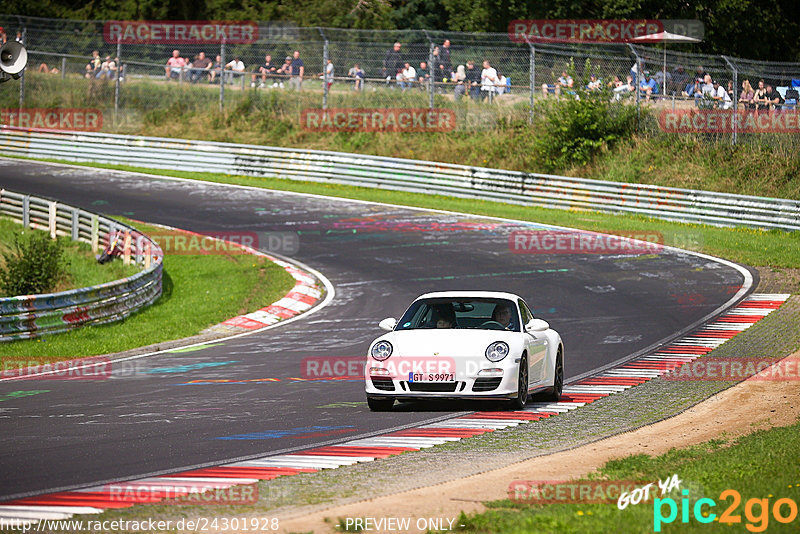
(522, 386)
(554, 395)
(380, 404)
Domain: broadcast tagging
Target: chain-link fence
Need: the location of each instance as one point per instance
(72, 65)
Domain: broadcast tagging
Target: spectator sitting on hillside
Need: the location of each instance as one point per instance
(235, 69)
(774, 97)
(473, 80)
(760, 97)
(594, 83)
(565, 80)
(501, 87)
(747, 95)
(285, 70)
(659, 78)
(201, 66)
(265, 70)
(620, 89)
(648, 86)
(423, 75)
(47, 70)
(108, 69)
(216, 70)
(175, 65)
(358, 77)
(407, 76)
(703, 91)
(93, 67)
(679, 80)
(721, 97)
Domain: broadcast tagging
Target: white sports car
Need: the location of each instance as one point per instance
(465, 345)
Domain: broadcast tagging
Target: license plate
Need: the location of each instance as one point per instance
(431, 377)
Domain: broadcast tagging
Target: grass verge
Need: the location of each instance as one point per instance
(82, 271)
(198, 291)
(773, 248)
(754, 466)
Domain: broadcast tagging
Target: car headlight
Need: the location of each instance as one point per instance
(381, 350)
(496, 351)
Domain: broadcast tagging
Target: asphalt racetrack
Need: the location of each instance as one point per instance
(378, 258)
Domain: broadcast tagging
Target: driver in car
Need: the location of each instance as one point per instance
(502, 315)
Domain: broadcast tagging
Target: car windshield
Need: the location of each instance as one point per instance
(456, 312)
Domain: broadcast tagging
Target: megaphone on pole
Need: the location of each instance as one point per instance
(13, 58)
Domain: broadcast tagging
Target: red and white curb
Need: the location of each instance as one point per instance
(305, 294)
(63, 505)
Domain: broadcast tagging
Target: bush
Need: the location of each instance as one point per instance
(35, 265)
(572, 129)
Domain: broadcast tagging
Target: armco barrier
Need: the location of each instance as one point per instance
(28, 316)
(531, 189)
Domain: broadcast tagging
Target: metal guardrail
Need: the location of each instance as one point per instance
(531, 189)
(29, 316)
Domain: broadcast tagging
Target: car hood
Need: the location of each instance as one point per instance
(447, 342)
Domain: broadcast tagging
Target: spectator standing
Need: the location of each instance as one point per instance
(392, 63)
(445, 56)
(200, 67)
(175, 65)
(460, 80)
(328, 74)
(297, 69)
(747, 96)
(266, 70)
(473, 81)
(489, 80)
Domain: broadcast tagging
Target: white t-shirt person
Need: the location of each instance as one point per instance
(409, 73)
(722, 97)
(488, 77)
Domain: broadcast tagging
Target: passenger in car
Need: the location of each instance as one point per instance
(444, 317)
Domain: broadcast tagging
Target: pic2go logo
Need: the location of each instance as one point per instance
(756, 511)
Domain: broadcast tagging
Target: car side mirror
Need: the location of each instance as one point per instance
(388, 324)
(537, 325)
